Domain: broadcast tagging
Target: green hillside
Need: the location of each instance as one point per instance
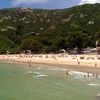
(43, 30)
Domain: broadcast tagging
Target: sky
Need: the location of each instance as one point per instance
(45, 4)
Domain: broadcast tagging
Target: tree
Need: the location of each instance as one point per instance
(5, 44)
(76, 39)
(31, 44)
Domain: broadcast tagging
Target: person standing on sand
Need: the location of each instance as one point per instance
(78, 62)
(95, 64)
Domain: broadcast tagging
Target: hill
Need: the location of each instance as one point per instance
(50, 29)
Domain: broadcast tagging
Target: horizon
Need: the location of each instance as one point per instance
(45, 4)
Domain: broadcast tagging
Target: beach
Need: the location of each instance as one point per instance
(91, 61)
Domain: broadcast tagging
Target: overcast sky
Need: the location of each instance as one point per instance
(45, 4)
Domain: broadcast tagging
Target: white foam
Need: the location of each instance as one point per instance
(57, 69)
(98, 95)
(29, 72)
(93, 84)
(38, 74)
(78, 74)
(41, 75)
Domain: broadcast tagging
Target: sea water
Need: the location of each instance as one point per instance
(44, 82)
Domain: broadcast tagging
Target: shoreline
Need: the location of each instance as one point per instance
(59, 60)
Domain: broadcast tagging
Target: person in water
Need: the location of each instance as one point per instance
(67, 73)
(29, 63)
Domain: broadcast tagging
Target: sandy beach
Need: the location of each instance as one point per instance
(92, 61)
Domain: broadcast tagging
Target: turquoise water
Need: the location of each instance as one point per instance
(19, 82)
